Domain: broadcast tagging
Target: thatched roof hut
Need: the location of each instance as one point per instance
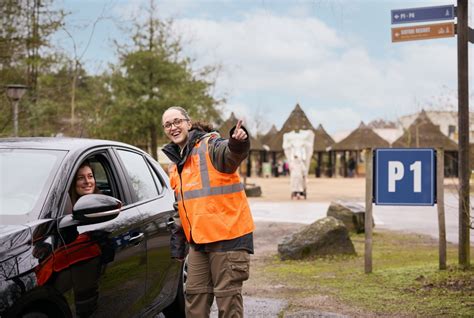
(268, 137)
(422, 133)
(296, 121)
(361, 138)
(322, 140)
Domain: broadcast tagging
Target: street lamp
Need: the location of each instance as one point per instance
(15, 92)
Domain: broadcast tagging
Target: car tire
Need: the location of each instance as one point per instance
(176, 309)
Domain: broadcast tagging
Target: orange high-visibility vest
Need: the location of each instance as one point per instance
(212, 205)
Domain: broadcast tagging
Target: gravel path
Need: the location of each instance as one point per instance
(258, 307)
(255, 307)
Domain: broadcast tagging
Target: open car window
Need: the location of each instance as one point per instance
(105, 179)
(102, 180)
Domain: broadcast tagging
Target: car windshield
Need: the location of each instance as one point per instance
(25, 177)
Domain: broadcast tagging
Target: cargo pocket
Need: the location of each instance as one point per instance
(239, 263)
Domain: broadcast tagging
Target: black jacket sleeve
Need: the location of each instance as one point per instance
(227, 154)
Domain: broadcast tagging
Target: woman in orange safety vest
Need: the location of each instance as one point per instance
(214, 213)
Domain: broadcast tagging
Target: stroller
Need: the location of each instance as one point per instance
(299, 194)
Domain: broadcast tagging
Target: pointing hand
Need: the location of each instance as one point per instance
(239, 133)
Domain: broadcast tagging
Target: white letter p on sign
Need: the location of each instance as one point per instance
(395, 173)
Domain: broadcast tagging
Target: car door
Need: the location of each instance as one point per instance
(107, 261)
(155, 202)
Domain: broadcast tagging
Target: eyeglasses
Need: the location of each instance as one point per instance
(176, 122)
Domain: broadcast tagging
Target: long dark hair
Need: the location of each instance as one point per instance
(72, 191)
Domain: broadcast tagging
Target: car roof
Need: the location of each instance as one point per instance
(58, 143)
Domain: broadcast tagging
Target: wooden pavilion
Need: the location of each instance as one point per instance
(361, 138)
(322, 142)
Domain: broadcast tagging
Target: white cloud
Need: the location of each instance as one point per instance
(279, 60)
(333, 119)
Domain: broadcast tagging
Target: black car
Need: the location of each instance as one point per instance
(106, 256)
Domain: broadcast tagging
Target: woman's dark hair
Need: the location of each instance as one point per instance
(202, 126)
(72, 191)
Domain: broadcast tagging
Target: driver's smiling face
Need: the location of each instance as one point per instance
(85, 182)
(176, 126)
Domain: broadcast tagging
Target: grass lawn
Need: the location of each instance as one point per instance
(405, 281)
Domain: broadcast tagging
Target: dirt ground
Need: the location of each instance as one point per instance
(278, 190)
(316, 305)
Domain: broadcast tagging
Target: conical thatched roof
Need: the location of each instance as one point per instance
(322, 140)
(361, 138)
(422, 133)
(265, 139)
(296, 121)
(227, 125)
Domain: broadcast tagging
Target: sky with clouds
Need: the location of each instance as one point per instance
(333, 57)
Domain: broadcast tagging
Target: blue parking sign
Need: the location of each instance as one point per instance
(404, 176)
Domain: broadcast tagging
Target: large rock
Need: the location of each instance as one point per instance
(252, 190)
(327, 236)
(352, 214)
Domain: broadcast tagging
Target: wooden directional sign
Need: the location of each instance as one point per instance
(423, 32)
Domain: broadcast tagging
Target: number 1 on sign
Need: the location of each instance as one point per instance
(416, 168)
(396, 172)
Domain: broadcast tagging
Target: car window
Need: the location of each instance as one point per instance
(25, 174)
(105, 183)
(158, 180)
(143, 184)
(102, 180)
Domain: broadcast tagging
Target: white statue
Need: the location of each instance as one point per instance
(298, 148)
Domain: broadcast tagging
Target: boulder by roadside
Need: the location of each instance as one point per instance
(252, 190)
(350, 213)
(327, 236)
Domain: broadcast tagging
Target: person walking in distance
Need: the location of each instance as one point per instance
(213, 210)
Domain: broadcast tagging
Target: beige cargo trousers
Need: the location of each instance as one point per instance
(218, 274)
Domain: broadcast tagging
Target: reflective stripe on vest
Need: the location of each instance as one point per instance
(207, 190)
(212, 205)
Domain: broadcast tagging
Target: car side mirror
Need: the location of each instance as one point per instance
(96, 208)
